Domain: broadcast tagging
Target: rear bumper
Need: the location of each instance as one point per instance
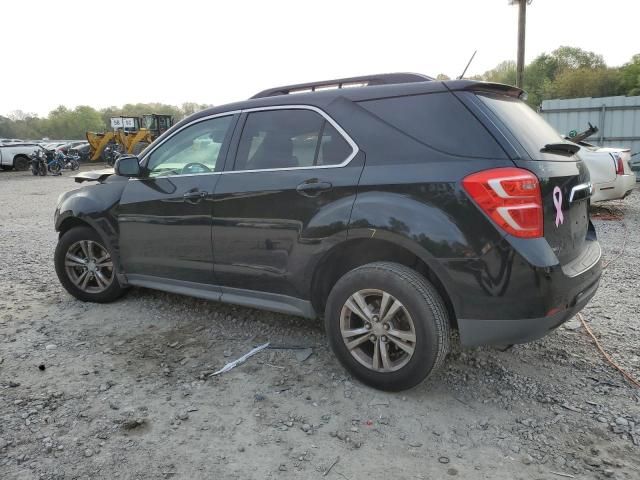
(533, 295)
(620, 188)
(475, 332)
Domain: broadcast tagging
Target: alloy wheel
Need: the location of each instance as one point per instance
(89, 266)
(378, 330)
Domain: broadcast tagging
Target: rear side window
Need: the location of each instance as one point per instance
(289, 139)
(438, 120)
(531, 130)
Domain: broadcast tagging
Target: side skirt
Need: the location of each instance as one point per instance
(247, 298)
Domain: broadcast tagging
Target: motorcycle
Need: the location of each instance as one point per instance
(61, 162)
(111, 153)
(39, 161)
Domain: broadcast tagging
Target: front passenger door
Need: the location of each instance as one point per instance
(165, 216)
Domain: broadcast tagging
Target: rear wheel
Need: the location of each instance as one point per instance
(387, 325)
(85, 266)
(55, 167)
(21, 163)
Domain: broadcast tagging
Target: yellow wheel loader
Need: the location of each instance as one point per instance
(132, 134)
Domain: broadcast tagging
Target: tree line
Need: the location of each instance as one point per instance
(567, 72)
(66, 123)
(570, 72)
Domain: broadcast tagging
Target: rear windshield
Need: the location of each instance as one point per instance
(531, 130)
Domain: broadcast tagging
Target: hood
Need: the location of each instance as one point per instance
(94, 175)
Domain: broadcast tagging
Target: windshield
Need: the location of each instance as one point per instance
(531, 130)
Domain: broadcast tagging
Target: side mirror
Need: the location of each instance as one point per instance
(127, 166)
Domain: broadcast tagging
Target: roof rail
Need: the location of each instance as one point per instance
(363, 81)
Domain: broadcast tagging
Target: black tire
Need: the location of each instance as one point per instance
(42, 169)
(21, 163)
(421, 301)
(55, 167)
(71, 237)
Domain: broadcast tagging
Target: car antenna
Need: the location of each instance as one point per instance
(468, 63)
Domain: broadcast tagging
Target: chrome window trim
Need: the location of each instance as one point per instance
(354, 147)
(173, 134)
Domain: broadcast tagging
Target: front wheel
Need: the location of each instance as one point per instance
(387, 325)
(21, 164)
(85, 267)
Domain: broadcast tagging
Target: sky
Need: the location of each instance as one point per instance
(214, 52)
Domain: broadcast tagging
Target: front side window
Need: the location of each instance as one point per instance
(289, 139)
(196, 149)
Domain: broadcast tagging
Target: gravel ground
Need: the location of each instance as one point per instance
(122, 390)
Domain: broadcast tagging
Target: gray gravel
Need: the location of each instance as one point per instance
(123, 390)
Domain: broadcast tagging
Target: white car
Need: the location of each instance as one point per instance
(610, 171)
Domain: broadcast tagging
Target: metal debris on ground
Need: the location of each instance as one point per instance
(302, 355)
(240, 360)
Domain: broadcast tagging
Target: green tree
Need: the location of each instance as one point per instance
(630, 76)
(504, 72)
(574, 58)
(586, 82)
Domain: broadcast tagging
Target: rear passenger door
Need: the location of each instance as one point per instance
(283, 200)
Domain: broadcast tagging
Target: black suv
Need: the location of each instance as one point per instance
(397, 209)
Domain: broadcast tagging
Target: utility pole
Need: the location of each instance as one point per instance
(522, 22)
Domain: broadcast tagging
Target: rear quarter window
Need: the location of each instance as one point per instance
(526, 125)
(438, 120)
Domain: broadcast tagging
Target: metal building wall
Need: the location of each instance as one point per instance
(618, 119)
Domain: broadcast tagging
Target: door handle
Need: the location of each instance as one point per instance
(195, 196)
(313, 188)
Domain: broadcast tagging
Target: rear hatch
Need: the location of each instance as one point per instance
(564, 178)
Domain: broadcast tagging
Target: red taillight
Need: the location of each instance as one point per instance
(511, 197)
(619, 164)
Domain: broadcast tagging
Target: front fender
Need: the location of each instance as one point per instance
(94, 205)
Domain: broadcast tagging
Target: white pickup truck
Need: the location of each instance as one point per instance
(16, 155)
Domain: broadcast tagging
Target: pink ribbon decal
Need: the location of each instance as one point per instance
(557, 202)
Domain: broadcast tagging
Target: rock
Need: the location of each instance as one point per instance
(602, 419)
(593, 461)
(282, 467)
(622, 422)
(13, 384)
(305, 427)
(452, 471)
(51, 346)
(183, 415)
(88, 452)
(133, 423)
(607, 472)
(415, 444)
(241, 449)
(527, 459)
(572, 324)
(258, 397)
